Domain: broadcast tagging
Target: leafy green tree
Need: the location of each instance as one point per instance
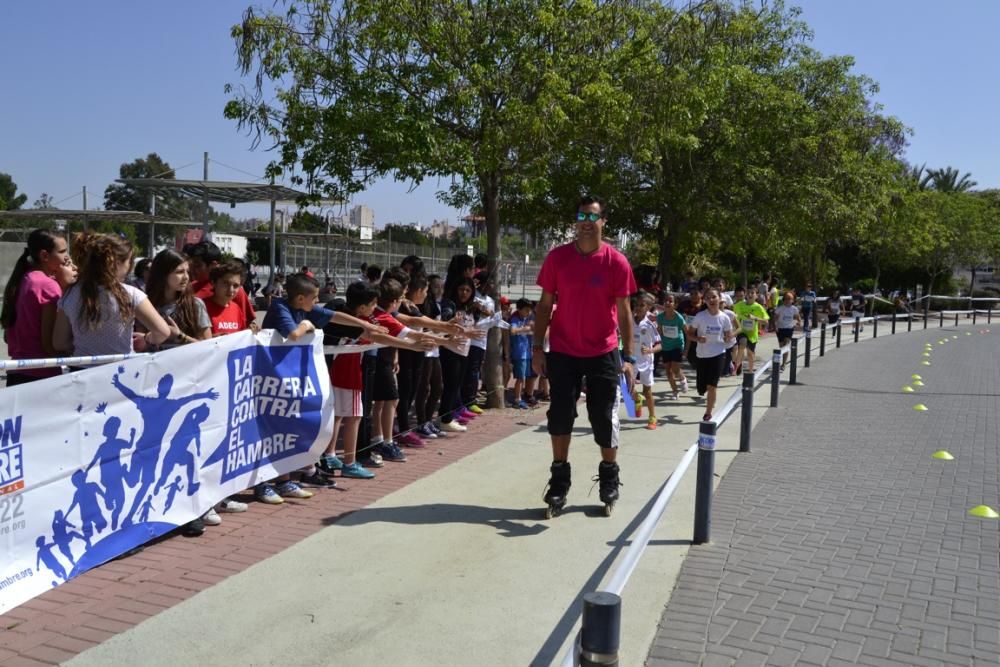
(403, 234)
(8, 194)
(44, 202)
(121, 197)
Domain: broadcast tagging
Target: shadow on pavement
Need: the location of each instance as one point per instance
(505, 521)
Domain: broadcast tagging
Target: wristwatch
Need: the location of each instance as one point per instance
(628, 358)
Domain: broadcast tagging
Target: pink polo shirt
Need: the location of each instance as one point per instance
(24, 339)
(587, 288)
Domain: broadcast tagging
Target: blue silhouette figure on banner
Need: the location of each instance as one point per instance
(156, 411)
(62, 536)
(178, 453)
(114, 475)
(46, 557)
(147, 507)
(172, 490)
(86, 496)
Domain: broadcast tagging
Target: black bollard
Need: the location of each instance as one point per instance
(809, 346)
(703, 488)
(941, 326)
(925, 318)
(989, 313)
(822, 339)
(893, 331)
(793, 371)
(909, 322)
(973, 317)
(840, 327)
(874, 325)
(857, 327)
(775, 376)
(600, 635)
(956, 319)
(746, 412)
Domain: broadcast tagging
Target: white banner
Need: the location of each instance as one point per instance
(102, 460)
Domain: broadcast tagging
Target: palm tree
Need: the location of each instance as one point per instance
(920, 176)
(948, 180)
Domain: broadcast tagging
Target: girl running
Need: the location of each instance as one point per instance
(29, 304)
(712, 329)
(670, 324)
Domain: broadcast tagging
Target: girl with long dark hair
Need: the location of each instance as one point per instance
(30, 303)
(169, 290)
(457, 302)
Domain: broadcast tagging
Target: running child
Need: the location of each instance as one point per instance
(750, 314)
(786, 317)
(646, 343)
(713, 329)
(670, 324)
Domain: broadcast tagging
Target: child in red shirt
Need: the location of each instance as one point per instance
(226, 314)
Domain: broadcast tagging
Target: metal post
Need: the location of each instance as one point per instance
(775, 376)
(941, 325)
(840, 327)
(925, 318)
(600, 634)
(204, 201)
(989, 313)
(822, 339)
(956, 319)
(893, 324)
(973, 317)
(809, 346)
(703, 489)
(793, 373)
(857, 327)
(746, 412)
(909, 321)
(152, 225)
(874, 325)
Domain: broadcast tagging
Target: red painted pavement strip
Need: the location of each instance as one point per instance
(118, 595)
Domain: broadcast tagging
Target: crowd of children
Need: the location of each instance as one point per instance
(421, 383)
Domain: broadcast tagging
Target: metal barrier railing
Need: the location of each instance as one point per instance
(592, 644)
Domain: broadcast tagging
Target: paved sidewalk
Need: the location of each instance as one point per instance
(839, 540)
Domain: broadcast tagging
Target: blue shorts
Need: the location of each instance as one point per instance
(521, 368)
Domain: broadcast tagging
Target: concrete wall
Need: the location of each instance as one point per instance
(9, 252)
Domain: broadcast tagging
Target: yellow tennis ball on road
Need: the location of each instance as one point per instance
(920, 407)
(925, 363)
(926, 354)
(942, 455)
(915, 377)
(908, 389)
(954, 337)
(918, 383)
(984, 512)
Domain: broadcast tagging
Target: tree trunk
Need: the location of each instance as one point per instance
(492, 364)
(743, 270)
(813, 272)
(667, 230)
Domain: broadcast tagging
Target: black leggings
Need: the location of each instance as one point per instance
(410, 363)
(452, 373)
(367, 386)
(470, 383)
(428, 389)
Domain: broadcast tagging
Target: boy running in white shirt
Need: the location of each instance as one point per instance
(645, 343)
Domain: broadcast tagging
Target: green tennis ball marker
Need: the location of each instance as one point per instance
(918, 383)
(925, 363)
(926, 354)
(984, 512)
(942, 455)
(954, 337)
(915, 377)
(920, 407)
(908, 389)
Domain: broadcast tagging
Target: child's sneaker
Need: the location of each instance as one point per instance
(465, 413)
(230, 506)
(425, 431)
(475, 409)
(390, 451)
(411, 440)
(454, 427)
(328, 465)
(356, 471)
(317, 480)
(675, 395)
(211, 518)
(265, 493)
(684, 386)
(370, 460)
(438, 431)
(290, 489)
(638, 405)
(651, 425)
(521, 405)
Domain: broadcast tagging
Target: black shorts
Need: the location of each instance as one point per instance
(784, 334)
(745, 340)
(384, 387)
(709, 371)
(674, 356)
(832, 319)
(566, 375)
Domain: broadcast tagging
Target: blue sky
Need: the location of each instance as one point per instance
(90, 85)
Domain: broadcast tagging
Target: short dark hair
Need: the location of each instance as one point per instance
(388, 291)
(523, 303)
(587, 200)
(417, 282)
(142, 266)
(481, 260)
(299, 284)
(373, 272)
(360, 294)
(206, 251)
(226, 269)
(416, 264)
(398, 274)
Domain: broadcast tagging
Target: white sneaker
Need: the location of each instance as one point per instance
(232, 506)
(684, 386)
(211, 518)
(454, 427)
(675, 395)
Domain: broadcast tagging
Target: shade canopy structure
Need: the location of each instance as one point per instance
(36, 214)
(230, 192)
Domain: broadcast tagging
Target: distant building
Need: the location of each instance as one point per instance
(440, 229)
(362, 217)
(232, 244)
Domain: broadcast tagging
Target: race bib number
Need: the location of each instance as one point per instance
(748, 324)
(808, 299)
(670, 332)
(713, 331)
